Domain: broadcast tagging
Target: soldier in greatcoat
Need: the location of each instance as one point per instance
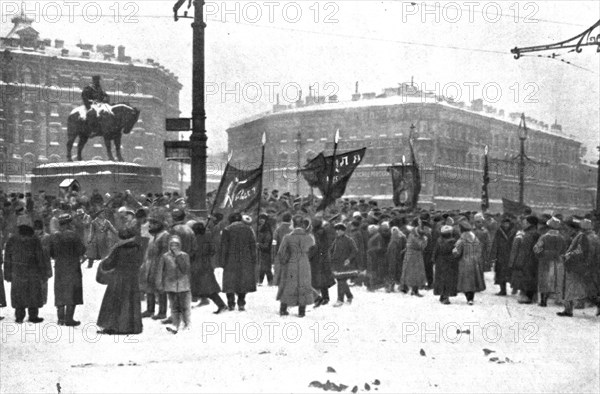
(67, 250)
(26, 270)
(238, 255)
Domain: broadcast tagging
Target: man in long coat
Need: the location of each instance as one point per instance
(238, 255)
(67, 250)
(581, 269)
(525, 263)
(295, 283)
(500, 253)
(188, 240)
(342, 250)
(26, 269)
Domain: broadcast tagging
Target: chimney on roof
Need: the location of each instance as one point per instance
(477, 105)
(59, 44)
(64, 52)
(85, 54)
(121, 56)
(150, 61)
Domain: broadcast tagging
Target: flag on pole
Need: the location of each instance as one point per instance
(416, 174)
(485, 199)
(317, 174)
(239, 190)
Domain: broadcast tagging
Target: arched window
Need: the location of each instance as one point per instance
(138, 160)
(54, 158)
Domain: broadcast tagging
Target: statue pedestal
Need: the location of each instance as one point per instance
(105, 176)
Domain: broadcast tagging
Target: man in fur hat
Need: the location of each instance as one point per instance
(525, 262)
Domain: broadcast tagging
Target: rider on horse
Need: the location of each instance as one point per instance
(93, 93)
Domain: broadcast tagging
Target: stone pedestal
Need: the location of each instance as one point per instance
(105, 176)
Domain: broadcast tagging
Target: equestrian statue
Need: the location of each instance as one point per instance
(97, 117)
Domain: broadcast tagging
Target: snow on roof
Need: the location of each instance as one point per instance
(425, 99)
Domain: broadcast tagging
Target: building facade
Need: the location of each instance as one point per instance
(449, 140)
(41, 83)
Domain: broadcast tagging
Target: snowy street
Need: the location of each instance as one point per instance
(382, 342)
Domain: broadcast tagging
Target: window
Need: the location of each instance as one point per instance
(26, 75)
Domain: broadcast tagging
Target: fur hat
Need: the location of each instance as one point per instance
(553, 223)
(585, 224)
(532, 219)
(340, 226)
(446, 229)
(175, 239)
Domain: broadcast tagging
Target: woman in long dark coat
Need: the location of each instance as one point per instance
(320, 268)
(121, 311)
(377, 252)
(446, 266)
(204, 283)
(295, 282)
(500, 253)
(395, 256)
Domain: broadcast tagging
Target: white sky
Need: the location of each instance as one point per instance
(377, 43)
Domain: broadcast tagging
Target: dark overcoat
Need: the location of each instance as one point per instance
(500, 254)
(67, 250)
(470, 264)
(26, 268)
(395, 257)
(525, 263)
(204, 282)
(265, 241)
(446, 268)
(238, 255)
(320, 266)
(120, 310)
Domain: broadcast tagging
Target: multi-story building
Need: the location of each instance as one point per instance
(449, 140)
(41, 83)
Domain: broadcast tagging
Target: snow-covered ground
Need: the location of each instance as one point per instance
(380, 343)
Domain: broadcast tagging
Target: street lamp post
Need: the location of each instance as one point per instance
(198, 137)
(598, 187)
(522, 138)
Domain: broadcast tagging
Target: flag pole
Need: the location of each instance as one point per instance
(485, 199)
(262, 174)
(333, 164)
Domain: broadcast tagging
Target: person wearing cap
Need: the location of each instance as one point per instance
(67, 250)
(357, 235)
(413, 268)
(264, 242)
(446, 265)
(157, 246)
(377, 266)
(99, 242)
(548, 249)
(581, 266)
(320, 268)
(238, 255)
(395, 256)
(295, 287)
(174, 277)
(341, 254)
(26, 269)
(483, 235)
(120, 312)
(500, 253)
(524, 262)
(470, 265)
(204, 284)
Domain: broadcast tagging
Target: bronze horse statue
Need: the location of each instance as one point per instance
(102, 120)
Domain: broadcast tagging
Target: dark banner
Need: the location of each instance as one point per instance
(239, 190)
(318, 170)
(416, 176)
(513, 207)
(403, 177)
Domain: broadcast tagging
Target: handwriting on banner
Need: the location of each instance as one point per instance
(245, 194)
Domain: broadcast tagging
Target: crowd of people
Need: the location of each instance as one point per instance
(151, 249)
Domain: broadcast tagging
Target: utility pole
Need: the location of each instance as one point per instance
(198, 137)
(299, 149)
(598, 187)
